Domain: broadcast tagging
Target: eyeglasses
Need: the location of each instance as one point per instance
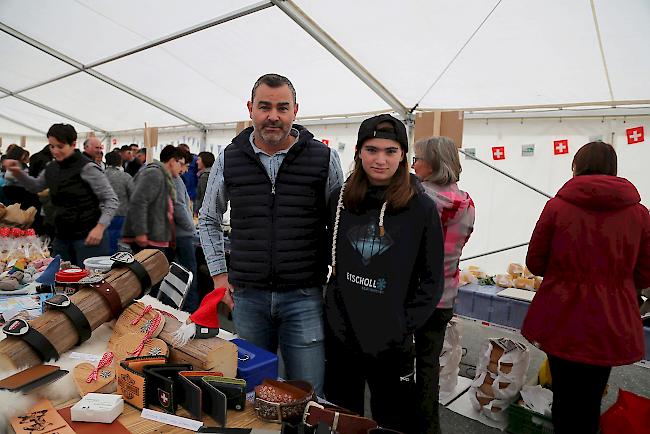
(416, 159)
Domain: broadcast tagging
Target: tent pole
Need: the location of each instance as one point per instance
(327, 42)
(204, 139)
(55, 111)
(78, 65)
(17, 122)
(505, 174)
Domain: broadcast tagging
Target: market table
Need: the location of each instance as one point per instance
(481, 302)
(132, 421)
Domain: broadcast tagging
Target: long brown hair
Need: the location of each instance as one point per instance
(399, 190)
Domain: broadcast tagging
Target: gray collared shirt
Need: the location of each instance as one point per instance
(215, 202)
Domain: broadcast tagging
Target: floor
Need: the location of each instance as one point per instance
(633, 378)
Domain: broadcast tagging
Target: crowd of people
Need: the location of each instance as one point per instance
(90, 203)
(353, 278)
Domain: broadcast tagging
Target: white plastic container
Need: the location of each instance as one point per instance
(98, 264)
(97, 407)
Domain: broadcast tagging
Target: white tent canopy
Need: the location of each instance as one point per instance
(111, 66)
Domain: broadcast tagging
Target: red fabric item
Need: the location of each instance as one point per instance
(206, 315)
(630, 414)
(592, 245)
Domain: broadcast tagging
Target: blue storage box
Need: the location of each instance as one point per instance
(254, 364)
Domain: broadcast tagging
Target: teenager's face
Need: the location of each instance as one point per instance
(199, 164)
(380, 159)
(60, 150)
(175, 167)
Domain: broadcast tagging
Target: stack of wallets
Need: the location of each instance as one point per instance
(97, 407)
(149, 381)
(31, 378)
(212, 394)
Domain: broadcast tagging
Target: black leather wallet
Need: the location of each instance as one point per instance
(163, 385)
(233, 388)
(202, 398)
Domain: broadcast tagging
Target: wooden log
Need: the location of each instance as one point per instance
(214, 354)
(58, 329)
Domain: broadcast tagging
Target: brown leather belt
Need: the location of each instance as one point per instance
(338, 419)
(111, 296)
(280, 401)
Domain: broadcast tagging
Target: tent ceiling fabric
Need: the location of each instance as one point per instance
(526, 53)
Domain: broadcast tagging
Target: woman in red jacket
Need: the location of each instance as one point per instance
(592, 245)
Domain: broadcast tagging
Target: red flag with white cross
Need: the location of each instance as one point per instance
(498, 153)
(560, 147)
(634, 135)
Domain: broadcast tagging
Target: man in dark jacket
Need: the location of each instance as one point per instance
(39, 160)
(148, 224)
(278, 180)
(190, 177)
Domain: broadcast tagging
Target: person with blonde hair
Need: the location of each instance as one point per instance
(437, 165)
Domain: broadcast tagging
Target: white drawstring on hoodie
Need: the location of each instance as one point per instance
(337, 218)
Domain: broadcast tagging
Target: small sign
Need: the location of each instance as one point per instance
(560, 147)
(634, 135)
(469, 153)
(341, 146)
(498, 153)
(598, 138)
(527, 150)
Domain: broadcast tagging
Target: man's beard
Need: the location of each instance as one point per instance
(277, 137)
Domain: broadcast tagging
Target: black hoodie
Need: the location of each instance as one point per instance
(385, 287)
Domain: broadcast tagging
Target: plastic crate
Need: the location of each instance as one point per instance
(524, 421)
(254, 364)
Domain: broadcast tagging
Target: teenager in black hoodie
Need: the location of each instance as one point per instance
(387, 257)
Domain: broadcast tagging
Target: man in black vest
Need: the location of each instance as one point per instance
(278, 180)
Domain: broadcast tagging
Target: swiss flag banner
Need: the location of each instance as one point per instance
(326, 141)
(560, 147)
(498, 153)
(634, 135)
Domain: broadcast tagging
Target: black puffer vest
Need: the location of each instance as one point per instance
(76, 208)
(278, 237)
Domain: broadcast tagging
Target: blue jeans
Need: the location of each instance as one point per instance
(186, 256)
(291, 319)
(115, 232)
(76, 251)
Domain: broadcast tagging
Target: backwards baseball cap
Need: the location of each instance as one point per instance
(368, 130)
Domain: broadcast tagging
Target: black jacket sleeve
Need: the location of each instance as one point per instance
(427, 287)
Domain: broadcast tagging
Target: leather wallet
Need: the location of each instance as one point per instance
(131, 381)
(31, 378)
(163, 385)
(233, 388)
(201, 398)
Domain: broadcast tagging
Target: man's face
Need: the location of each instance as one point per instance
(142, 158)
(94, 148)
(126, 155)
(272, 111)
